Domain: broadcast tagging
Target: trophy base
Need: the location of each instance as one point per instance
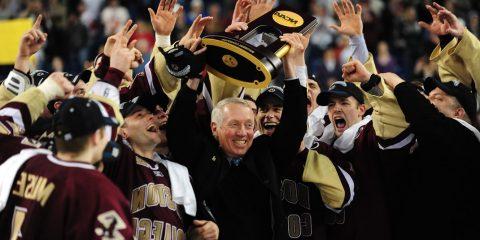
(240, 63)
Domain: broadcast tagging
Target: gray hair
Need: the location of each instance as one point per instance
(219, 109)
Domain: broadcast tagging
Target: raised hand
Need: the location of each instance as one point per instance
(350, 18)
(452, 24)
(30, 43)
(354, 71)
(236, 26)
(122, 57)
(298, 44)
(32, 40)
(259, 8)
(296, 55)
(193, 44)
(438, 26)
(196, 29)
(163, 21)
(123, 36)
(242, 10)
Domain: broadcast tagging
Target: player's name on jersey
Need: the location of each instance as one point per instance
(151, 195)
(33, 187)
(145, 229)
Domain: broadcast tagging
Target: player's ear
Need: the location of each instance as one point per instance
(362, 109)
(97, 136)
(122, 132)
(213, 127)
(57, 105)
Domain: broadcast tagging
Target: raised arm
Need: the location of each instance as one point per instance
(289, 134)
(458, 60)
(351, 25)
(19, 113)
(19, 80)
(468, 50)
(457, 53)
(182, 133)
(122, 57)
(163, 22)
(424, 117)
(184, 138)
(387, 117)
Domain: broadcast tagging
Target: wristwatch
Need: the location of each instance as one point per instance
(372, 82)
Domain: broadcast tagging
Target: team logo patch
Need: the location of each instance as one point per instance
(110, 225)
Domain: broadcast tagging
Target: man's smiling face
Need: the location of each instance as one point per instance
(235, 132)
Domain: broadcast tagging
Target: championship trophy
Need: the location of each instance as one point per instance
(252, 58)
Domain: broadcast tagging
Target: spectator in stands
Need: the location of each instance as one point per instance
(385, 61)
(328, 68)
(113, 17)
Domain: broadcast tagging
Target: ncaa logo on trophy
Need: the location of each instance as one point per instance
(252, 58)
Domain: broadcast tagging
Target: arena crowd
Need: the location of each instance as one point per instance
(120, 133)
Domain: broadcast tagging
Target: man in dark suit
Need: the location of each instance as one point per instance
(234, 174)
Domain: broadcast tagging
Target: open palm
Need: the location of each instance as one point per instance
(242, 9)
(163, 21)
(452, 24)
(195, 31)
(350, 18)
(259, 8)
(437, 27)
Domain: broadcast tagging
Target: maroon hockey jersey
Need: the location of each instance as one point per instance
(366, 217)
(143, 181)
(51, 198)
(55, 199)
(303, 209)
(306, 212)
(146, 184)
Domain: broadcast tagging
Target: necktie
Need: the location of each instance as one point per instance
(235, 161)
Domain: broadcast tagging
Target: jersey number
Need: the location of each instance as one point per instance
(17, 222)
(299, 225)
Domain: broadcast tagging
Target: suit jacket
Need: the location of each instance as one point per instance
(209, 167)
(443, 173)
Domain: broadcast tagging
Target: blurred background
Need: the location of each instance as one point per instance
(77, 29)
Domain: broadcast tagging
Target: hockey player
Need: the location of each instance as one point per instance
(161, 197)
(47, 196)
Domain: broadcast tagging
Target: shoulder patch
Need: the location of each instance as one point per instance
(110, 224)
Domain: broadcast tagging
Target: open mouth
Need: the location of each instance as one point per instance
(152, 128)
(162, 126)
(270, 125)
(240, 142)
(340, 123)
